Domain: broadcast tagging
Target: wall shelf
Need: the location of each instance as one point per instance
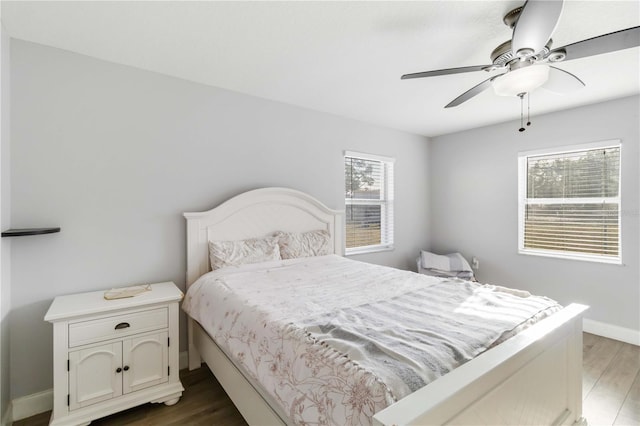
(28, 231)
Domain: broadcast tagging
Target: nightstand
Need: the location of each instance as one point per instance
(111, 355)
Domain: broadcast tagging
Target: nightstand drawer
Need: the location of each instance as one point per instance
(85, 332)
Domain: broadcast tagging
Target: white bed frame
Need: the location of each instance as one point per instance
(534, 378)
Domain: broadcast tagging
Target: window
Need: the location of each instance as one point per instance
(569, 202)
(368, 202)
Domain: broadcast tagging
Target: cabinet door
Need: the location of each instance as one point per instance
(94, 375)
(145, 361)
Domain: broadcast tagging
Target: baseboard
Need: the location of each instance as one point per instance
(30, 405)
(611, 331)
(6, 417)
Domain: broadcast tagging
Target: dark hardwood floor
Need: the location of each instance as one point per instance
(610, 386)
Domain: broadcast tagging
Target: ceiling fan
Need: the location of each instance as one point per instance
(526, 58)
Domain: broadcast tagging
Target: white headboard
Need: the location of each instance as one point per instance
(255, 214)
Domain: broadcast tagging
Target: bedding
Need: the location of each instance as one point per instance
(303, 244)
(234, 253)
(333, 340)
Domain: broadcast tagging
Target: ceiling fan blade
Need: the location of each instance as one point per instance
(535, 25)
(445, 72)
(619, 40)
(561, 81)
(475, 90)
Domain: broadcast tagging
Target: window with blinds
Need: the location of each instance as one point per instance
(368, 202)
(570, 203)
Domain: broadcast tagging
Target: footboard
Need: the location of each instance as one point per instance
(534, 378)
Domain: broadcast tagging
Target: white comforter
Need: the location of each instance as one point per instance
(334, 340)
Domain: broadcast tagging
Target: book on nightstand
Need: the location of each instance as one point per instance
(121, 293)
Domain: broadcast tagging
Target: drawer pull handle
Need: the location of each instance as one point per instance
(122, 325)
(118, 370)
(126, 368)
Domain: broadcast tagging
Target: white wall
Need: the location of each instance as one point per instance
(5, 223)
(114, 155)
(474, 207)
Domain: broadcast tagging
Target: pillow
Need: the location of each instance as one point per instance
(304, 244)
(234, 253)
(434, 261)
(453, 262)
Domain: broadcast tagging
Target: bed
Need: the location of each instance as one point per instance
(533, 377)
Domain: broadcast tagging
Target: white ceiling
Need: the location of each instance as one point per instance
(344, 58)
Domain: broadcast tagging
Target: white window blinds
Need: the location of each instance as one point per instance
(368, 202)
(570, 203)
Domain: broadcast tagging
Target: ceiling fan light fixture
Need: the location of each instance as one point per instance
(521, 80)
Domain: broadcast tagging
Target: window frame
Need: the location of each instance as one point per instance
(386, 204)
(523, 201)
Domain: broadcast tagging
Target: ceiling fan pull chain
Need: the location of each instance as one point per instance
(521, 96)
(529, 109)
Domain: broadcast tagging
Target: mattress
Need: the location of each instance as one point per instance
(333, 340)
